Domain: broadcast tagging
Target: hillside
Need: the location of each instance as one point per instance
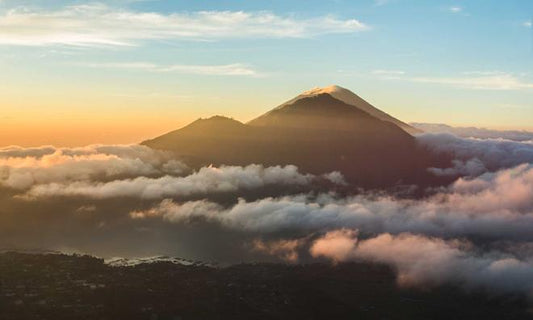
(317, 133)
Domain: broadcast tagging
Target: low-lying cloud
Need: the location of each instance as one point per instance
(474, 156)
(473, 132)
(425, 261)
(205, 181)
(494, 205)
(474, 232)
(22, 168)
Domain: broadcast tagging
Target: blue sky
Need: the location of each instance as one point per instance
(161, 64)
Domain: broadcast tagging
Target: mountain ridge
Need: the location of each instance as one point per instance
(318, 133)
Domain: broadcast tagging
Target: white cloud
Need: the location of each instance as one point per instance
(527, 24)
(489, 82)
(478, 80)
(101, 25)
(337, 245)
(235, 69)
(388, 72)
(480, 133)
(206, 180)
(425, 261)
(474, 156)
(23, 168)
(495, 205)
(455, 9)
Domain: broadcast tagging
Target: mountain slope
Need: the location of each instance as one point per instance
(346, 96)
(318, 133)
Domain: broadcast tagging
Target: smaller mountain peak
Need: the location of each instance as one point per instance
(214, 121)
(218, 118)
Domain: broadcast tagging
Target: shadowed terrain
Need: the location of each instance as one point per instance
(53, 286)
(318, 133)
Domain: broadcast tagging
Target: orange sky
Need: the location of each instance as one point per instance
(80, 132)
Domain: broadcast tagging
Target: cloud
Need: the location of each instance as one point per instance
(335, 177)
(186, 212)
(425, 261)
(455, 9)
(206, 180)
(495, 206)
(102, 25)
(476, 232)
(287, 250)
(337, 245)
(473, 132)
(20, 152)
(527, 24)
(471, 167)
(474, 156)
(474, 81)
(236, 69)
(388, 72)
(23, 168)
(490, 82)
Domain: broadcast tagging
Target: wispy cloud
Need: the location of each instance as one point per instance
(388, 72)
(488, 82)
(478, 80)
(235, 69)
(102, 25)
(455, 9)
(527, 24)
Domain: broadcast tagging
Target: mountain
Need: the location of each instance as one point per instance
(316, 132)
(341, 94)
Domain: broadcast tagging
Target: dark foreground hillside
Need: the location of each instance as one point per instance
(74, 287)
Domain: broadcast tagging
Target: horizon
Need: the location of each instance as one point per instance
(83, 72)
(125, 138)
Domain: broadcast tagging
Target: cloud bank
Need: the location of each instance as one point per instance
(474, 232)
(24, 168)
(475, 156)
(206, 180)
(496, 206)
(424, 261)
(473, 132)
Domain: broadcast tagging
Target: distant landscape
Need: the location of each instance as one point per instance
(322, 190)
(266, 159)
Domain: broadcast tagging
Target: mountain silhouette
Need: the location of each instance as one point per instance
(316, 132)
(344, 95)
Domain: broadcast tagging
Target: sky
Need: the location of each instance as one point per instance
(76, 72)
